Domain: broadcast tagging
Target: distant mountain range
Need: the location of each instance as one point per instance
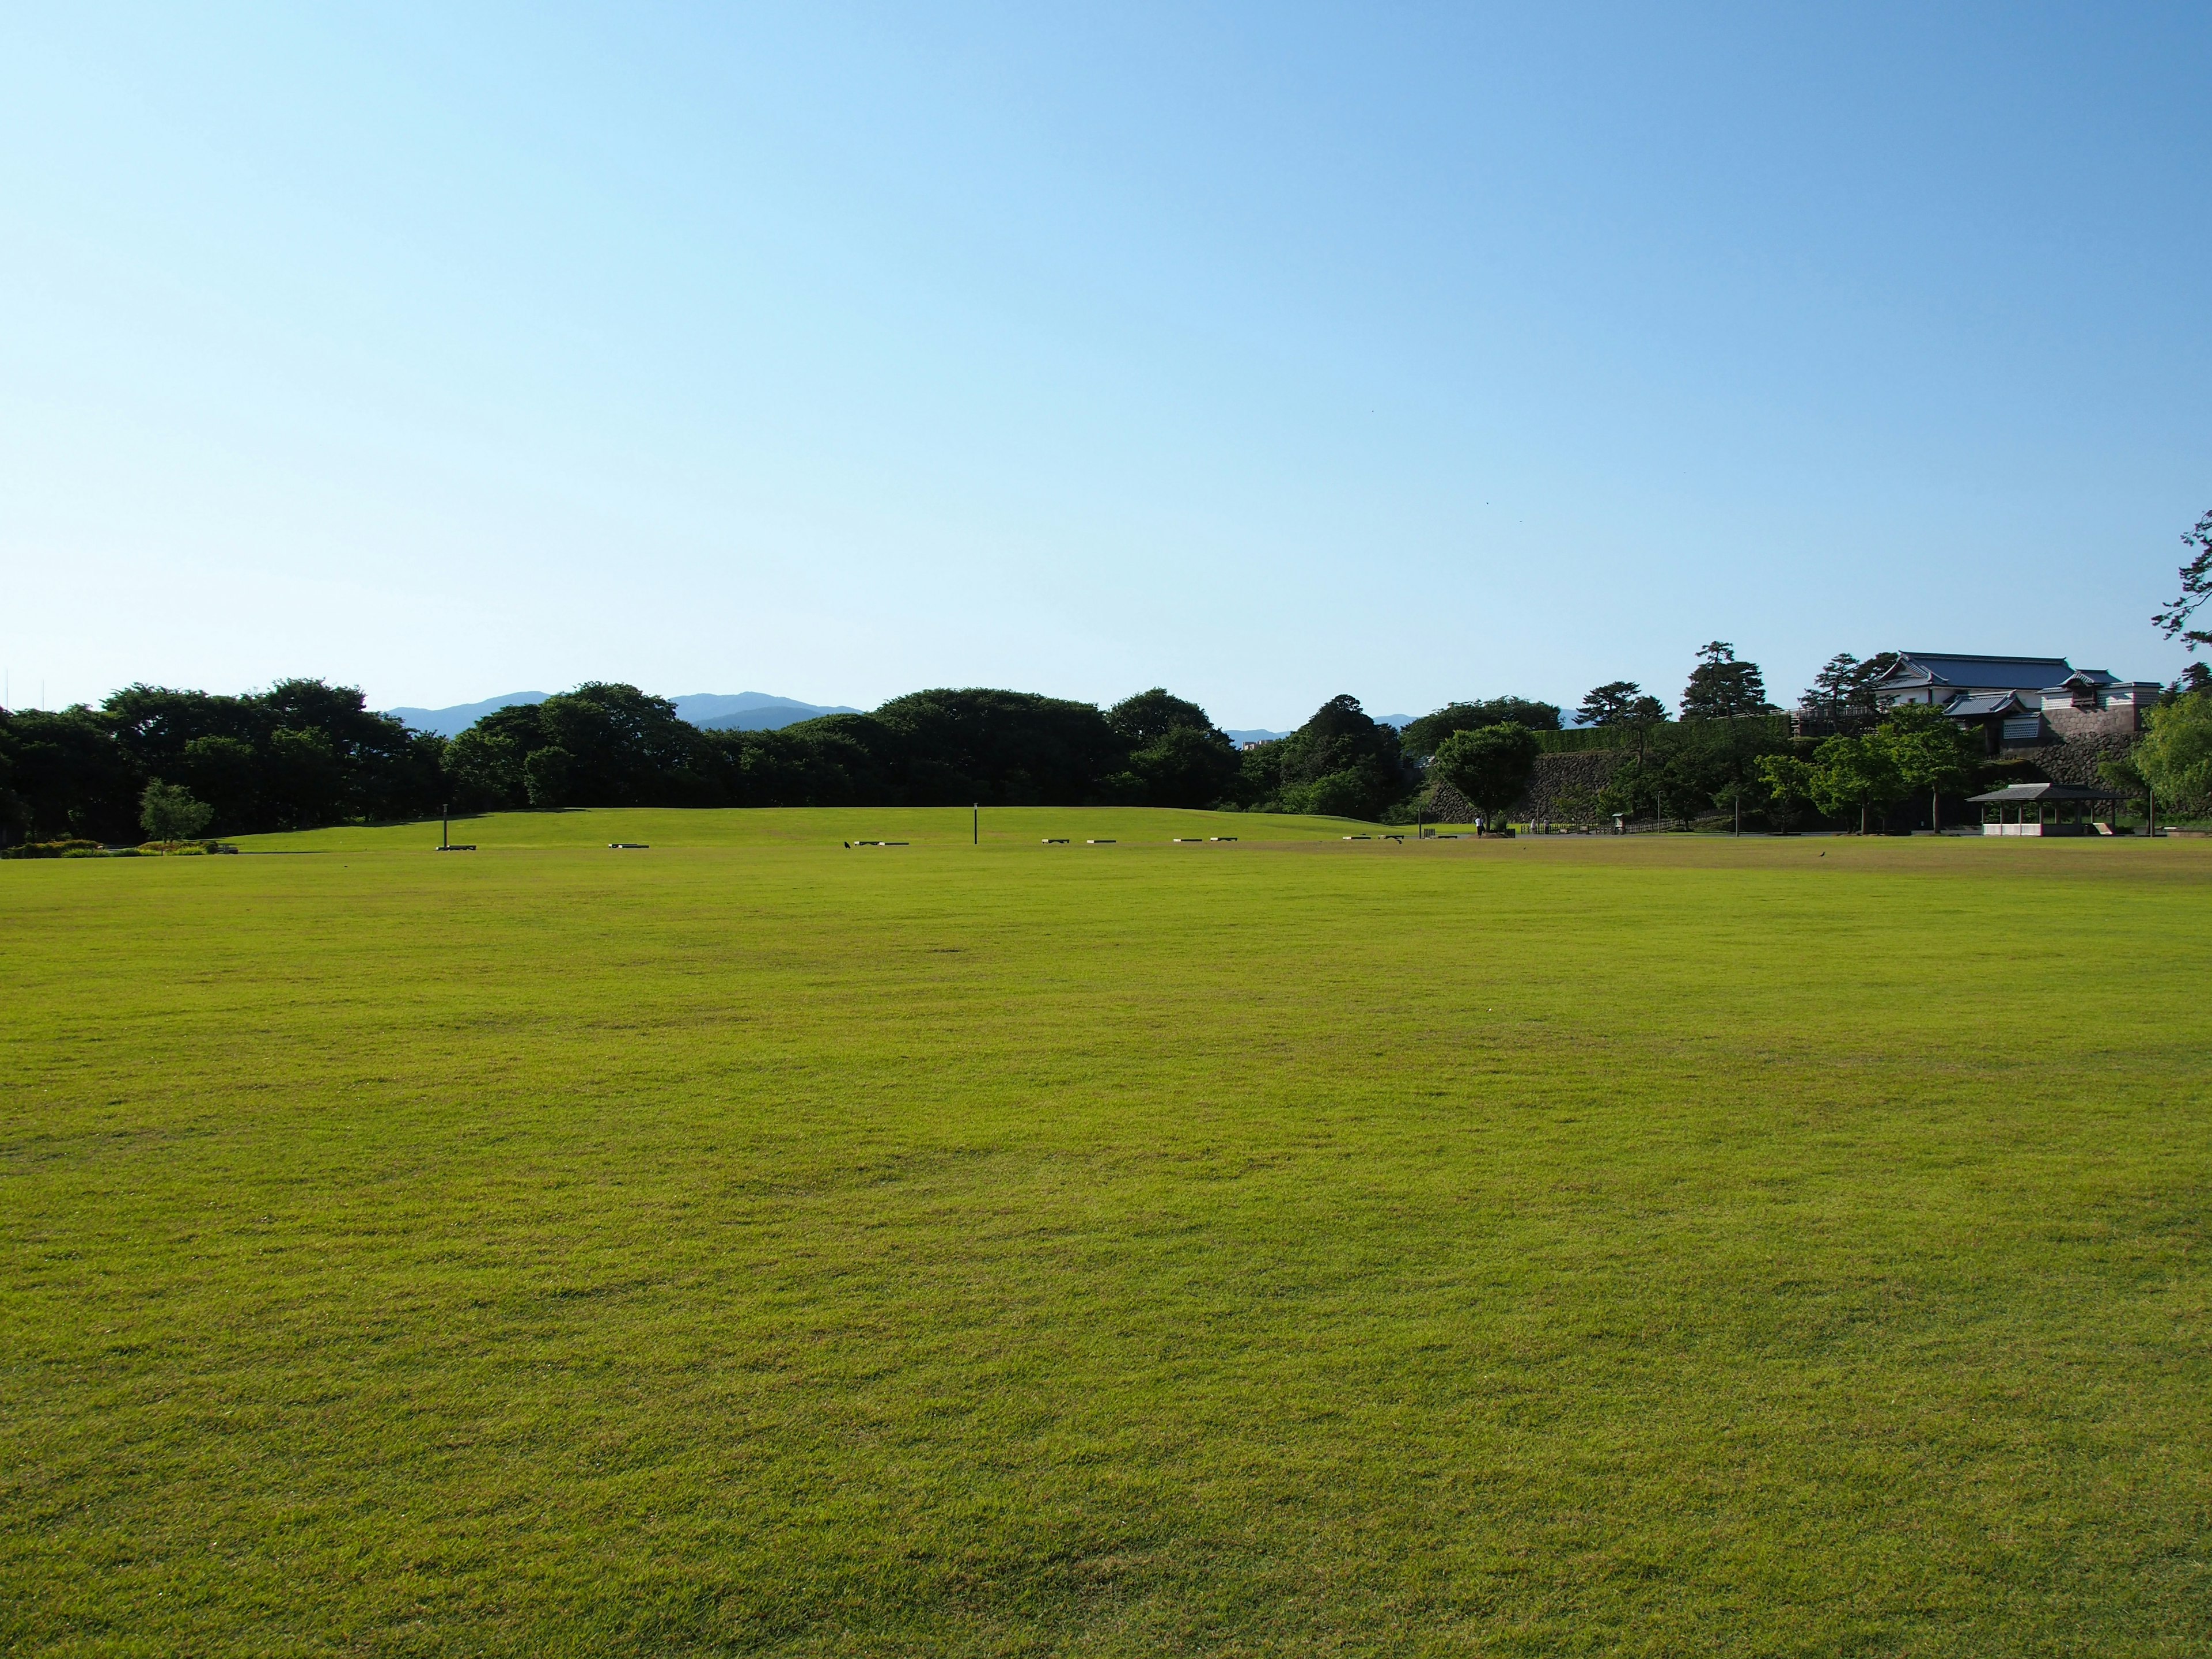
(744, 711)
(748, 711)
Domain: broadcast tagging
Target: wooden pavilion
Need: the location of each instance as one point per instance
(2048, 808)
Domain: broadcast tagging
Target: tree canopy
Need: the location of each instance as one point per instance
(1490, 767)
(2175, 756)
(1854, 774)
(166, 811)
(1339, 763)
(1927, 750)
(1621, 702)
(1722, 688)
(1841, 694)
(301, 754)
(1420, 739)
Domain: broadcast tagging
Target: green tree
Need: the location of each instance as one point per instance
(484, 763)
(1491, 767)
(1337, 795)
(226, 773)
(950, 747)
(300, 754)
(1420, 739)
(1927, 750)
(1185, 767)
(1150, 716)
(1357, 756)
(1619, 702)
(546, 776)
(1841, 694)
(1722, 688)
(168, 812)
(625, 747)
(304, 777)
(69, 774)
(2175, 754)
(1624, 706)
(1854, 774)
(2121, 773)
(1177, 757)
(1788, 783)
(2195, 587)
(1631, 785)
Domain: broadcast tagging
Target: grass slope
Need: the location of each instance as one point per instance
(1647, 1247)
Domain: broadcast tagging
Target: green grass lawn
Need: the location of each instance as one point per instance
(1664, 1245)
(821, 827)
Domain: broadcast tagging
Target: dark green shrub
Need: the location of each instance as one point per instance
(51, 849)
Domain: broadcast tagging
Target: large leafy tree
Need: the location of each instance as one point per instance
(1001, 748)
(300, 754)
(167, 811)
(1854, 774)
(2195, 587)
(2175, 756)
(625, 748)
(485, 763)
(1340, 762)
(67, 776)
(1490, 767)
(838, 760)
(1150, 716)
(607, 744)
(1927, 751)
(1420, 739)
(1788, 783)
(1177, 756)
(1186, 767)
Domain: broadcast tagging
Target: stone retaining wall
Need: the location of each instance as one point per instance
(1562, 775)
(1556, 777)
(2076, 760)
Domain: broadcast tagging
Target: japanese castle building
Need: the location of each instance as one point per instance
(2020, 701)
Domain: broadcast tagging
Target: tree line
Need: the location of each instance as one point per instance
(304, 754)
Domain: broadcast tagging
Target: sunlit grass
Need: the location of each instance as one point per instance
(822, 826)
(1656, 1246)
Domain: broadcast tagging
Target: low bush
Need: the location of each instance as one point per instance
(51, 849)
(92, 849)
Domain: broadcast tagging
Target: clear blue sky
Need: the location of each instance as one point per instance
(1263, 352)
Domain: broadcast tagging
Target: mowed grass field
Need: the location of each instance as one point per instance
(752, 1246)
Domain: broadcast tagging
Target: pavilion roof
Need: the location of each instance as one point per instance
(2031, 792)
(2001, 702)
